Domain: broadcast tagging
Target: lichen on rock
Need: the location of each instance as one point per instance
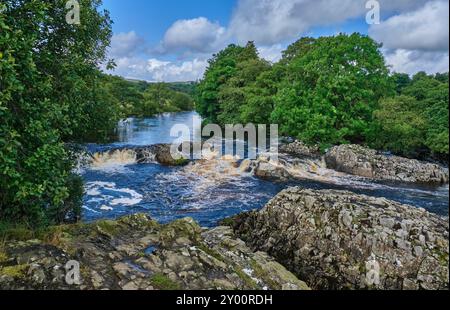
(341, 240)
(361, 161)
(136, 253)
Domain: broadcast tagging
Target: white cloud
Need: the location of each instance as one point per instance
(155, 70)
(195, 35)
(411, 62)
(271, 53)
(425, 29)
(273, 21)
(172, 72)
(415, 35)
(125, 44)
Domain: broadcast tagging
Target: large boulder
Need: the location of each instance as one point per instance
(136, 253)
(160, 153)
(269, 170)
(361, 161)
(340, 240)
(300, 149)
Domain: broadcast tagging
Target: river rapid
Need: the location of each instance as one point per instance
(207, 191)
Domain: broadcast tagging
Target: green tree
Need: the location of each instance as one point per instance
(236, 97)
(401, 125)
(48, 96)
(221, 68)
(331, 88)
(415, 123)
(401, 81)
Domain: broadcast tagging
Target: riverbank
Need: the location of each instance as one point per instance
(301, 239)
(137, 253)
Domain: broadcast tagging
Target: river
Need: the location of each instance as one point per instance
(210, 192)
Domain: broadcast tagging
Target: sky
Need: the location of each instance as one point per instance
(172, 40)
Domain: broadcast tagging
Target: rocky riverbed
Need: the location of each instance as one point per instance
(136, 253)
(361, 161)
(340, 240)
(302, 239)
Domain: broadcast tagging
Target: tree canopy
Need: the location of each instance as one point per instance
(49, 95)
(328, 91)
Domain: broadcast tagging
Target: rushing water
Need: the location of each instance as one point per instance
(209, 191)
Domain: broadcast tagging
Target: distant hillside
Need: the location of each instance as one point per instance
(182, 87)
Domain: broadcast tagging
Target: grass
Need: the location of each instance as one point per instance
(211, 252)
(162, 282)
(263, 275)
(19, 232)
(181, 162)
(16, 272)
(109, 228)
(3, 255)
(249, 282)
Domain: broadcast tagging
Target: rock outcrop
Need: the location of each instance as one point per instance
(300, 149)
(159, 153)
(136, 253)
(358, 160)
(340, 240)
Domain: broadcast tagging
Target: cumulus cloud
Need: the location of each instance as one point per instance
(273, 21)
(125, 44)
(271, 53)
(411, 62)
(172, 72)
(194, 35)
(425, 29)
(415, 35)
(156, 70)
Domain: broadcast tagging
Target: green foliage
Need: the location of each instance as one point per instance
(139, 98)
(49, 95)
(402, 127)
(162, 282)
(221, 68)
(331, 89)
(415, 123)
(327, 91)
(159, 98)
(187, 88)
(231, 91)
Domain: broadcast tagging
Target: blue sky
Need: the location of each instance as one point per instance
(151, 18)
(172, 40)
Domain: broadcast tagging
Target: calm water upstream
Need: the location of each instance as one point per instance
(210, 192)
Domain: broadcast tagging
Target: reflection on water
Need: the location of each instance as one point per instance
(208, 190)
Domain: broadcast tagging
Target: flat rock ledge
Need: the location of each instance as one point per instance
(340, 240)
(361, 161)
(136, 253)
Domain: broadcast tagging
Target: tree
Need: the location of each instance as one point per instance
(221, 68)
(415, 123)
(48, 96)
(231, 98)
(401, 81)
(401, 125)
(331, 88)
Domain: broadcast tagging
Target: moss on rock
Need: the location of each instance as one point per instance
(16, 272)
(162, 282)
